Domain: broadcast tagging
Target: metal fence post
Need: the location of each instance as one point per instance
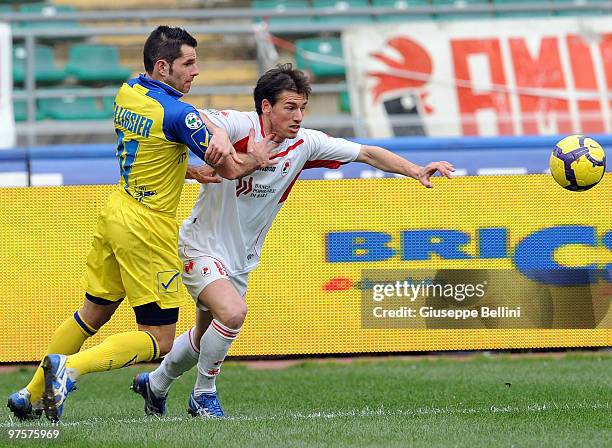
(30, 87)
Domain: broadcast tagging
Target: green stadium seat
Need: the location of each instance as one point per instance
(108, 102)
(321, 57)
(47, 9)
(344, 102)
(45, 72)
(583, 11)
(522, 13)
(20, 110)
(71, 107)
(403, 10)
(8, 9)
(283, 5)
(461, 4)
(342, 5)
(91, 63)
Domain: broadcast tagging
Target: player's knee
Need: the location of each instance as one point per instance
(96, 315)
(165, 345)
(235, 315)
(94, 321)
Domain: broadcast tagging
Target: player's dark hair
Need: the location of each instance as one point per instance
(165, 43)
(275, 80)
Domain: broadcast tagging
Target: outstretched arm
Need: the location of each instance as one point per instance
(385, 160)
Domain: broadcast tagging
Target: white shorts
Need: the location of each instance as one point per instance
(199, 272)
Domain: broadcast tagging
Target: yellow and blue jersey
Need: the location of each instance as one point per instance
(154, 129)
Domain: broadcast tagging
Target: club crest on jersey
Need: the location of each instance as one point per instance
(221, 269)
(189, 266)
(193, 121)
(286, 167)
(205, 271)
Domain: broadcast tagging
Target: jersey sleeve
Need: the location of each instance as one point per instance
(330, 152)
(187, 127)
(235, 123)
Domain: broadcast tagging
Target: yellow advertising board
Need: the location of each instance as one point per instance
(531, 244)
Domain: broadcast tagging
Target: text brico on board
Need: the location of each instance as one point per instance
(535, 255)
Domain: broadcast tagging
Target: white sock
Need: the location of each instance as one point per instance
(181, 358)
(215, 344)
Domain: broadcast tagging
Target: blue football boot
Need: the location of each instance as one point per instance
(58, 385)
(153, 405)
(21, 407)
(205, 405)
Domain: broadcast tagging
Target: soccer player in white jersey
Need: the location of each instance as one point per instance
(220, 243)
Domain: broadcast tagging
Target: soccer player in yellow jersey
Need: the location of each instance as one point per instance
(134, 252)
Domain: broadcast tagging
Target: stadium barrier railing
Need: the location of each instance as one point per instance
(96, 163)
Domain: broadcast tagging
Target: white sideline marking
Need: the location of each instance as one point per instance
(360, 413)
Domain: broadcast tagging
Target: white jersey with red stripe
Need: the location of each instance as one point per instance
(230, 220)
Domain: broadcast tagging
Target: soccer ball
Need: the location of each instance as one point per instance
(578, 163)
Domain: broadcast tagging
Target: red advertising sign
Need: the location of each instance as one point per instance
(506, 77)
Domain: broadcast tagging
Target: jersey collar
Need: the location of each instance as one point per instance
(150, 83)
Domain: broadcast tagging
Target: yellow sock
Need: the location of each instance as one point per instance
(116, 351)
(67, 340)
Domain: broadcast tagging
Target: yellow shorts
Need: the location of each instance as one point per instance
(134, 255)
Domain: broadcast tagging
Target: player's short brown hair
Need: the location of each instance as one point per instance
(275, 80)
(165, 43)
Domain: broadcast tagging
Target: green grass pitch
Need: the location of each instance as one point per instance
(500, 400)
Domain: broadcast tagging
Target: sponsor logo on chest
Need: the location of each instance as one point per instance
(246, 186)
